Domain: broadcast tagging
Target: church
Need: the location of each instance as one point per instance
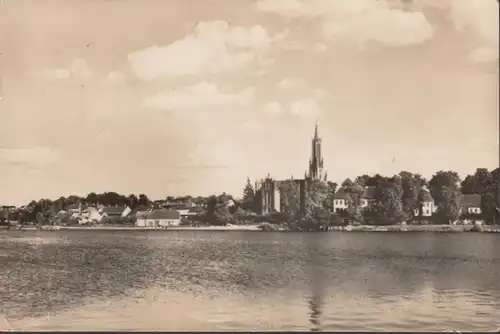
(268, 189)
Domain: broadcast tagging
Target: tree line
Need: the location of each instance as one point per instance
(395, 199)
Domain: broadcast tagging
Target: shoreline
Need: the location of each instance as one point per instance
(255, 228)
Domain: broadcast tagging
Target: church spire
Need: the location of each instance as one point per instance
(316, 136)
(316, 160)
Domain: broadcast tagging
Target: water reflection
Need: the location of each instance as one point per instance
(316, 281)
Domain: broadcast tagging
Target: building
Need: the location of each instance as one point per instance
(316, 170)
(470, 203)
(158, 218)
(427, 205)
(341, 201)
(90, 215)
(268, 194)
(115, 211)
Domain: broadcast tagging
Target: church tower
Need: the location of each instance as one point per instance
(316, 171)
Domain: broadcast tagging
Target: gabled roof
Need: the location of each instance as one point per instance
(196, 209)
(163, 214)
(117, 210)
(341, 194)
(425, 195)
(471, 200)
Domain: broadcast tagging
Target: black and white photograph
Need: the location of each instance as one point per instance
(249, 165)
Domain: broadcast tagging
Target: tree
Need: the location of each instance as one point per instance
(449, 208)
(143, 200)
(411, 184)
(443, 181)
(290, 201)
(355, 192)
(477, 183)
(332, 188)
(218, 210)
(388, 206)
(248, 199)
(132, 201)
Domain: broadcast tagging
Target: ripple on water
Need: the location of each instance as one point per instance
(237, 281)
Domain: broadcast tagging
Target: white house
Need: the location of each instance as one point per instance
(158, 218)
(427, 203)
(90, 215)
(115, 211)
(340, 200)
(471, 203)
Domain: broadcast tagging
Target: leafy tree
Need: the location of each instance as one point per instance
(411, 184)
(388, 207)
(478, 183)
(132, 201)
(355, 192)
(332, 188)
(218, 210)
(449, 208)
(143, 200)
(290, 201)
(440, 183)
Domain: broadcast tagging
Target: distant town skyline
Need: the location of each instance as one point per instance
(175, 97)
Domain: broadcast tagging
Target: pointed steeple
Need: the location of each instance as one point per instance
(316, 135)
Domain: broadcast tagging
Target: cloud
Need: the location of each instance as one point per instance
(289, 83)
(205, 95)
(35, 156)
(78, 69)
(115, 77)
(306, 108)
(213, 47)
(273, 109)
(357, 21)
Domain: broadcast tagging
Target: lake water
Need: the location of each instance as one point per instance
(189, 280)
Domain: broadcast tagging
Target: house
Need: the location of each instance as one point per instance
(90, 215)
(115, 211)
(427, 205)
(158, 218)
(368, 196)
(470, 203)
(340, 200)
(74, 208)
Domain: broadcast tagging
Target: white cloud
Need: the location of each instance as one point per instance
(307, 108)
(273, 109)
(78, 69)
(35, 156)
(358, 21)
(205, 95)
(115, 77)
(289, 83)
(213, 47)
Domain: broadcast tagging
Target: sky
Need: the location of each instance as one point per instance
(175, 97)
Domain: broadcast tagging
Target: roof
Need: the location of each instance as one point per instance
(163, 214)
(117, 210)
(196, 209)
(426, 197)
(473, 200)
(341, 194)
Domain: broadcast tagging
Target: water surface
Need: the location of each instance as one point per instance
(230, 280)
